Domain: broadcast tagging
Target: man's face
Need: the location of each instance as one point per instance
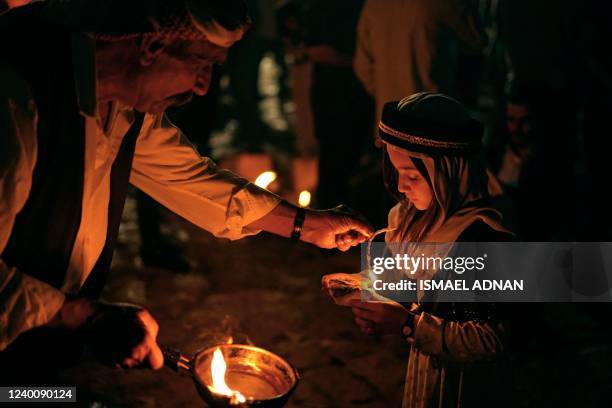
(180, 70)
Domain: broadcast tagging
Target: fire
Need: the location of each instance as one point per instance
(218, 369)
(265, 179)
(304, 199)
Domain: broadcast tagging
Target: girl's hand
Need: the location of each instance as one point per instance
(379, 317)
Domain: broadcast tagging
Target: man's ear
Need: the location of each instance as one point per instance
(151, 47)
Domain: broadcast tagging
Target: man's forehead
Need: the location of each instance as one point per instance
(205, 49)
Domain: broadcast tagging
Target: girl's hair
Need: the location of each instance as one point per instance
(421, 221)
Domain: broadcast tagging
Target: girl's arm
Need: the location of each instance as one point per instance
(478, 336)
(477, 339)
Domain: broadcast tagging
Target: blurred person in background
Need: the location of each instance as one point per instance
(543, 69)
(520, 165)
(292, 30)
(341, 107)
(409, 46)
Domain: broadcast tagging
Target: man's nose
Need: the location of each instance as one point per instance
(203, 82)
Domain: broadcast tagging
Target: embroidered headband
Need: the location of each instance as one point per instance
(430, 123)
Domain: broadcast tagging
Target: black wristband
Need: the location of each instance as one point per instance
(298, 223)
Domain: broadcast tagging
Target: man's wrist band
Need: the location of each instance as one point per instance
(298, 223)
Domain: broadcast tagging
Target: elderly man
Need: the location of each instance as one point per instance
(84, 84)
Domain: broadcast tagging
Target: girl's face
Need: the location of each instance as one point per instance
(410, 181)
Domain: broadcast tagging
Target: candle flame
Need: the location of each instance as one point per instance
(218, 368)
(265, 179)
(304, 199)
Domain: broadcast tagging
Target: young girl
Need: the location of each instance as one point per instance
(444, 195)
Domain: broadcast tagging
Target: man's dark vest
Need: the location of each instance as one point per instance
(45, 229)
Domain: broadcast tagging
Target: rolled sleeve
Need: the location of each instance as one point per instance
(168, 168)
(457, 341)
(249, 204)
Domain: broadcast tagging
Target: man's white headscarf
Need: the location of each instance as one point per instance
(221, 22)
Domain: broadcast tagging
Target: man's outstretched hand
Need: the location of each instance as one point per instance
(338, 227)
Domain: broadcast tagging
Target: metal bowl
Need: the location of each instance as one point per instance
(265, 379)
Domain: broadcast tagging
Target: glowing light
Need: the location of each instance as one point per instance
(218, 367)
(304, 199)
(265, 179)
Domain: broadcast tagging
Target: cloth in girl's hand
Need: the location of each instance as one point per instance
(343, 288)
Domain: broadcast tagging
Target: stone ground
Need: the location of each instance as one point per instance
(266, 290)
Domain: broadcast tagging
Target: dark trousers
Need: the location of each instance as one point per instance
(343, 115)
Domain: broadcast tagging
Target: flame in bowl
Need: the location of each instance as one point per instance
(218, 367)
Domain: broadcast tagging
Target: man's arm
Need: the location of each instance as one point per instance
(334, 228)
(25, 302)
(169, 169)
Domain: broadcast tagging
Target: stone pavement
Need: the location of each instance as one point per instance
(263, 288)
(266, 290)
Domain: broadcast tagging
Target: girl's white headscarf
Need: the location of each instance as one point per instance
(459, 202)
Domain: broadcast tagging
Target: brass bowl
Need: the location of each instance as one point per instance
(262, 377)
(265, 379)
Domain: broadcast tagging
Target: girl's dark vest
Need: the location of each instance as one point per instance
(45, 229)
